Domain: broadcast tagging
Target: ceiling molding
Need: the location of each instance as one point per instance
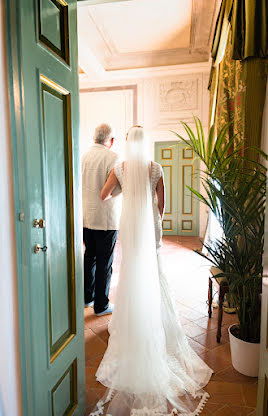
(156, 58)
(107, 41)
(204, 15)
(193, 24)
(217, 6)
(131, 75)
(88, 61)
(94, 34)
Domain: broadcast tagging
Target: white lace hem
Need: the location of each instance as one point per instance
(153, 412)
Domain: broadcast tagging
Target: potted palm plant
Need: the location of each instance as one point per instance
(235, 192)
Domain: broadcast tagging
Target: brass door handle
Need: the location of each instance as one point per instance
(39, 223)
(38, 248)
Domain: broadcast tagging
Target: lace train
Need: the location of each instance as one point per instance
(151, 412)
(149, 368)
(180, 377)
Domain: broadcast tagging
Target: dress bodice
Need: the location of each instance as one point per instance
(156, 174)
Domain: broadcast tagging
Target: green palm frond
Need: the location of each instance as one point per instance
(235, 192)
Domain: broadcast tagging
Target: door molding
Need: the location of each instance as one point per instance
(132, 87)
(174, 155)
(16, 111)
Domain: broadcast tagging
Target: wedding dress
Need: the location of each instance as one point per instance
(149, 368)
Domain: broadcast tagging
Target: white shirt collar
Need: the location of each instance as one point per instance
(99, 145)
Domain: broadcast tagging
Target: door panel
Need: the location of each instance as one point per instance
(53, 26)
(59, 214)
(64, 393)
(167, 169)
(166, 153)
(189, 176)
(187, 196)
(180, 170)
(50, 22)
(52, 279)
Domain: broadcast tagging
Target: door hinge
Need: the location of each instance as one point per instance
(21, 216)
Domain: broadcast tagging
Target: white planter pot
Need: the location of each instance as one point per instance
(245, 355)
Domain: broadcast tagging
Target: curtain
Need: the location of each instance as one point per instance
(249, 20)
(238, 75)
(214, 76)
(231, 93)
(239, 70)
(221, 32)
(241, 96)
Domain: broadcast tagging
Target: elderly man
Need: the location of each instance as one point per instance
(100, 221)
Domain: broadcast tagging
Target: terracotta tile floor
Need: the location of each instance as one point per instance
(232, 394)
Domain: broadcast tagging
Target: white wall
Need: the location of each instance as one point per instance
(114, 107)
(263, 370)
(265, 149)
(10, 395)
(164, 97)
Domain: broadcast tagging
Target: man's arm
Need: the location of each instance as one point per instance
(117, 190)
(160, 192)
(109, 187)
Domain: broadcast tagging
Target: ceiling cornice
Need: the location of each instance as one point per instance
(145, 73)
(93, 32)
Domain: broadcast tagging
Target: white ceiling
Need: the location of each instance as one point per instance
(145, 25)
(145, 33)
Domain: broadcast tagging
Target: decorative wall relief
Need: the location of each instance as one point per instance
(178, 95)
(173, 99)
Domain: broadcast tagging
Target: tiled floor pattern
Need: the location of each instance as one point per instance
(232, 394)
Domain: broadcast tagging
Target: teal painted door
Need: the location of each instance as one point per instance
(48, 204)
(180, 169)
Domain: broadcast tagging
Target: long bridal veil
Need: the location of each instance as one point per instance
(148, 368)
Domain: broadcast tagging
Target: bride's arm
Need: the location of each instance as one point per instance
(109, 186)
(160, 193)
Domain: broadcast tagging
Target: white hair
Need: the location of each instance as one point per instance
(102, 133)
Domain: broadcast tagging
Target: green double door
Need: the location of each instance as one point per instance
(180, 169)
(43, 82)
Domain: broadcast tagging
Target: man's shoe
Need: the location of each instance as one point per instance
(89, 304)
(107, 311)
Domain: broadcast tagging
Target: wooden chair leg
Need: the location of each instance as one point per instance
(221, 298)
(210, 289)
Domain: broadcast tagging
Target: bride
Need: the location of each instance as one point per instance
(149, 368)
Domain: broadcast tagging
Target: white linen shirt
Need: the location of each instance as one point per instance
(97, 163)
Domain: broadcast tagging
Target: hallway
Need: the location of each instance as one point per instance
(232, 394)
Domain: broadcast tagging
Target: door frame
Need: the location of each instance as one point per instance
(16, 113)
(17, 128)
